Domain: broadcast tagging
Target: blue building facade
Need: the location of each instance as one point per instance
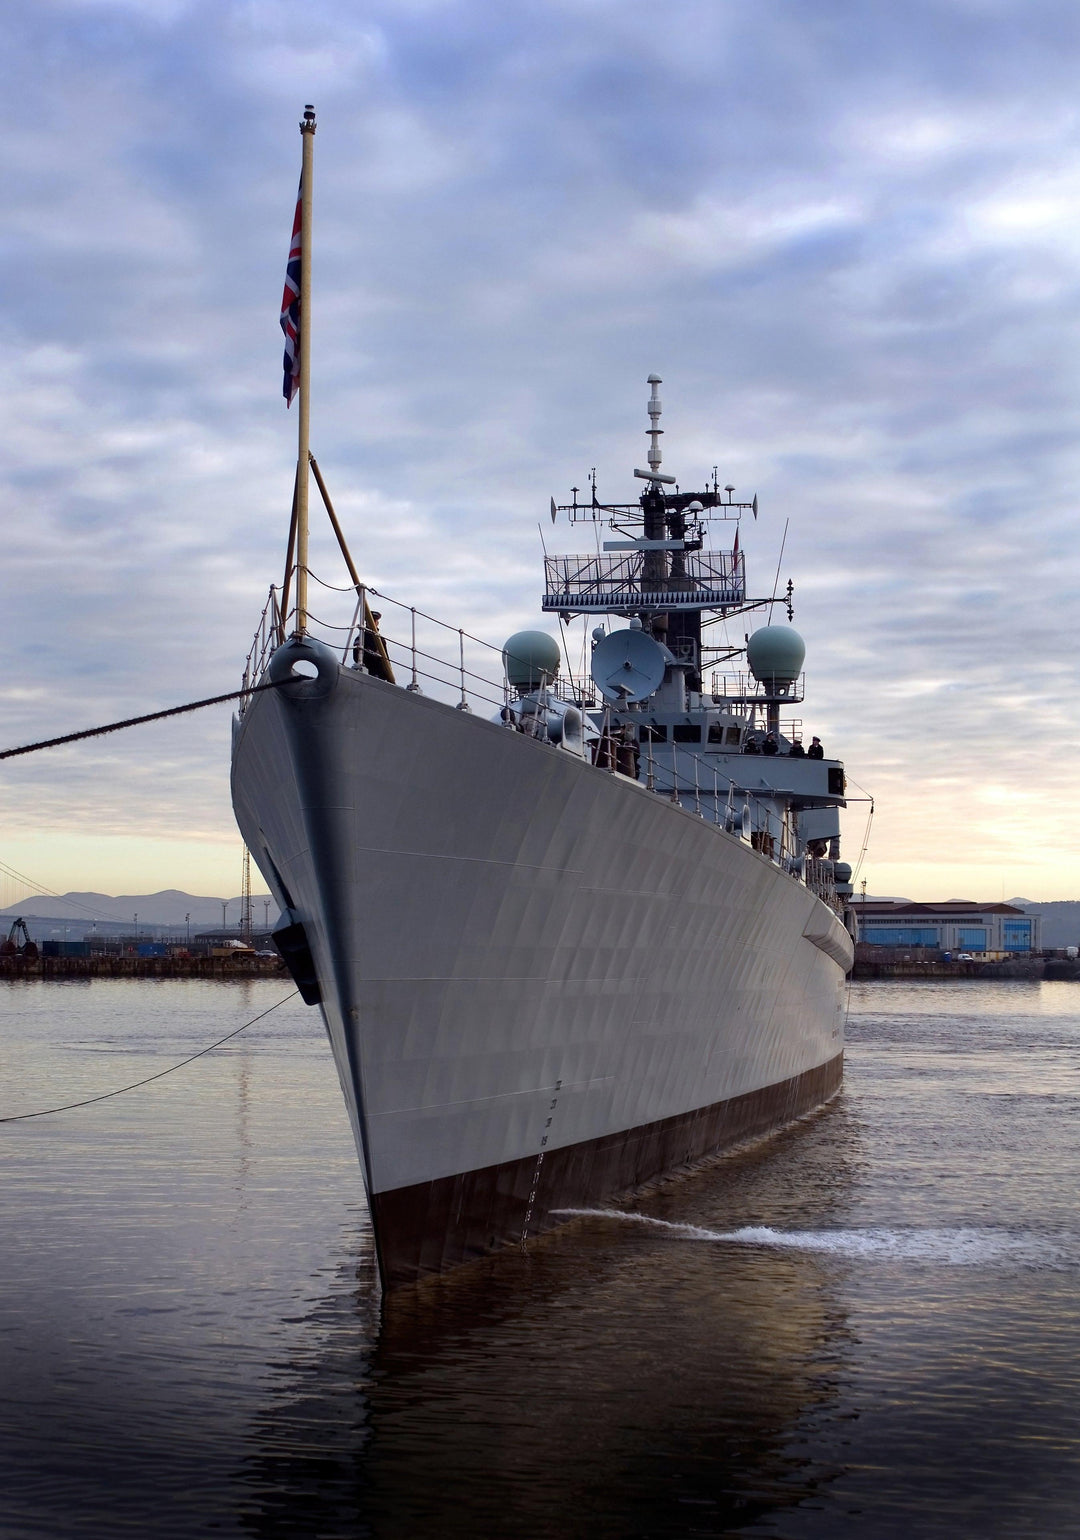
(987, 931)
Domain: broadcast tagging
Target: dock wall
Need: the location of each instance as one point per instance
(105, 967)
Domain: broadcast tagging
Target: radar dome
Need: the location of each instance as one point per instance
(775, 655)
(530, 658)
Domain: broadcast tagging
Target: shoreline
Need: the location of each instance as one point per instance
(106, 967)
(1050, 968)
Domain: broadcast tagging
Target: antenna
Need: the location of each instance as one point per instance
(655, 430)
(628, 666)
(779, 559)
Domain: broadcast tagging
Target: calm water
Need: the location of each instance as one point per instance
(869, 1326)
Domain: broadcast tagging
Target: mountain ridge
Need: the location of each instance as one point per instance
(170, 906)
(1060, 920)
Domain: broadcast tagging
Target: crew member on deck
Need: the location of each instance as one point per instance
(797, 751)
(770, 746)
(369, 651)
(815, 751)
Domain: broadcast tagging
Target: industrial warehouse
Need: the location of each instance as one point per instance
(988, 932)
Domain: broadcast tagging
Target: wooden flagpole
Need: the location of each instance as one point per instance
(303, 458)
(290, 552)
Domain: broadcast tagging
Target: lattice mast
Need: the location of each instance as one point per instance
(246, 925)
(665, 523)
(665, 576)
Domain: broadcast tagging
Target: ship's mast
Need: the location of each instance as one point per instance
(303, 457)
(664, 520)
(655, 408)
(669, 580)
(654, 563)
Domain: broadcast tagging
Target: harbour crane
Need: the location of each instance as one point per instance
(12, 948)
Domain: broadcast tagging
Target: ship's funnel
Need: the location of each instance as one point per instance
(776, 655)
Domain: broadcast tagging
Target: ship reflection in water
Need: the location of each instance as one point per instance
(863, 1327)
(620, 1379)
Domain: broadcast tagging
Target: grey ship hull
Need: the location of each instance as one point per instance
(542, 984)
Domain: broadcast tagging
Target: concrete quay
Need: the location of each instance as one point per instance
(911, 966)
(111, 967)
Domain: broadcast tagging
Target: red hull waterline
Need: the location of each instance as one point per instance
(433, 1226)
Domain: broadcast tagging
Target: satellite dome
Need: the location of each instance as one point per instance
(775, 655)
(531, 659)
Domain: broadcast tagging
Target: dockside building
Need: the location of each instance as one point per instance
(987, 931)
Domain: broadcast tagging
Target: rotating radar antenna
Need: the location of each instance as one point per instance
(628, 666)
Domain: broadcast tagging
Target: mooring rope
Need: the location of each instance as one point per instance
(153, 716)
(46, 1112)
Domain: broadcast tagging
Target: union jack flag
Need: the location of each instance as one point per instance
(290, 308)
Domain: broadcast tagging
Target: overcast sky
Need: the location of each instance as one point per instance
(847, 235)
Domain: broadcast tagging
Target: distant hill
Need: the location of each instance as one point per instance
(1060, 919)
(78, 911)
(170, 907)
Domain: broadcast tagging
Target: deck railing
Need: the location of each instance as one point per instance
(269, 634)
(612, 584)
(430, 657)
(736, 687)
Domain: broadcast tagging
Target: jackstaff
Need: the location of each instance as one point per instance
(296, 324)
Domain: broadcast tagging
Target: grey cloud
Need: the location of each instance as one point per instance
(844, 237)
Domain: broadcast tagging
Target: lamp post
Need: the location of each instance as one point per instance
(224, 908)
(187, 920)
